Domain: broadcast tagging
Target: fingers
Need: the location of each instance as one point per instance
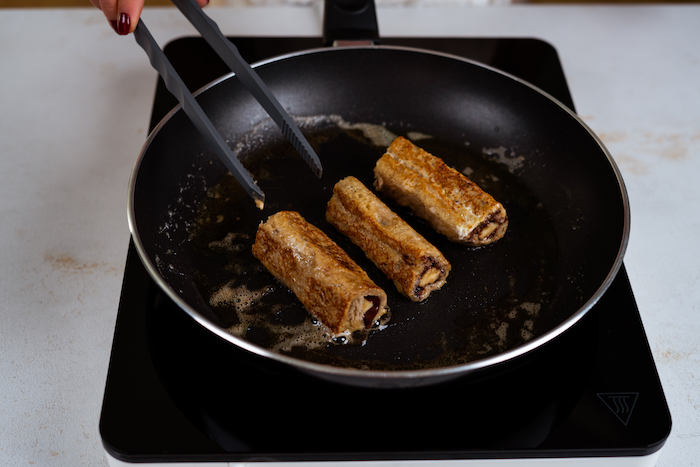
(108, 7)
(123, 15)
(128, 14)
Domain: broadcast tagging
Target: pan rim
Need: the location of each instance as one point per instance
(353, 375)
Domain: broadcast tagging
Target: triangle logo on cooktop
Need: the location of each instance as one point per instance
(620, 403)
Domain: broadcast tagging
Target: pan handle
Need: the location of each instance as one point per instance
(350, 21)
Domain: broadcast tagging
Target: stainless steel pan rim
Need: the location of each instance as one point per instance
(356, 376)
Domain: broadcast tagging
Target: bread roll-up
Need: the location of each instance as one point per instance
(330, 285)
(406, 257)
(452, 204)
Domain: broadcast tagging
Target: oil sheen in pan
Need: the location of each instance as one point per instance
(493, 296)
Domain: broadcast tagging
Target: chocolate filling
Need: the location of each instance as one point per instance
(497, 217)
(372, 312)
(434, 265)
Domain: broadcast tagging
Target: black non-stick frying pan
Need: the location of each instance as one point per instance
(569, 217)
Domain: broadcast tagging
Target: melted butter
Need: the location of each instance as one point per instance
(417, 136)
(239, 297)
(500, 155)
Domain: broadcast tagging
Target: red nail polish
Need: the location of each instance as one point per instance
(113, 23)
(124, 24)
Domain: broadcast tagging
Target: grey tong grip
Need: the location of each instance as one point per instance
(228, 52)
(194, 111)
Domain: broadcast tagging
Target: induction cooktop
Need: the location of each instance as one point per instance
(175, 393)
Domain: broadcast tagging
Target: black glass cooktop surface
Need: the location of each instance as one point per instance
(177, 393)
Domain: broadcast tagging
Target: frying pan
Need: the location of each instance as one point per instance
(193, 226)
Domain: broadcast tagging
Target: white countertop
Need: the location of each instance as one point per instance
(75, 101)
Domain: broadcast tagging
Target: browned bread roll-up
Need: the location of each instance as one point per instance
(406, 257)
(454, 205)
(331, 286)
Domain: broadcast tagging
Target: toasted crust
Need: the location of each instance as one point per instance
(454, 205)
(406, 257)
(330, 285)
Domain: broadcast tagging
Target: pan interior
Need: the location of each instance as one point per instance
(490, 304)
(563, 198)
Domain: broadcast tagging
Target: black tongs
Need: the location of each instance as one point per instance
(247, 76)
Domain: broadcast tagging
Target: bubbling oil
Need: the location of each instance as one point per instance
(308, 333)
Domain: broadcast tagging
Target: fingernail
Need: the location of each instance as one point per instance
(124, 24)
(113, 23)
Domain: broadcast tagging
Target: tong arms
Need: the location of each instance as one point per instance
(247, 76)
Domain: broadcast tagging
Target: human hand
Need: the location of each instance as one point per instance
(123, 15)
